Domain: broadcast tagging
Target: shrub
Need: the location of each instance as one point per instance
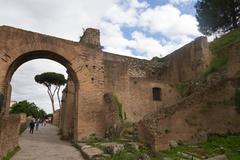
(182, 89)
(216, 64)
(119, 108)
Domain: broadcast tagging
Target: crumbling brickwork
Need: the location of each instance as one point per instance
(95, 73)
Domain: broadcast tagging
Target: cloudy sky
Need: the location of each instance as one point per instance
(139, 28)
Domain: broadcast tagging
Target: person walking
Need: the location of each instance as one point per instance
(37, 124)
(31, 126)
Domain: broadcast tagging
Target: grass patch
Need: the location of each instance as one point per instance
(216, 145)
(218, 47)
(182, 89)
(11, 153)
(216, 64)
(119, 108)
(226, 40)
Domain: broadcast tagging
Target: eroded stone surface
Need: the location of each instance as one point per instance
(112, 147)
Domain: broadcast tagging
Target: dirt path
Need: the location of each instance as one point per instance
(45, 144)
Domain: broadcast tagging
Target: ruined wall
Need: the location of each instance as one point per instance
(131, 81)
(84, 63)
(188, 62)
(67, 110)
(96, 73)
(9, 133)
(209, 110)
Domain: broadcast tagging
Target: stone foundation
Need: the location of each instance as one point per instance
(9, 133)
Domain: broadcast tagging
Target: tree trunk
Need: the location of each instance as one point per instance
(52, 99)
(59, 100)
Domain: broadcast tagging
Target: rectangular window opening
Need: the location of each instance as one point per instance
(156, 94)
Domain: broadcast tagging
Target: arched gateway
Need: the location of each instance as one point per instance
(106, 88)
(83, 62)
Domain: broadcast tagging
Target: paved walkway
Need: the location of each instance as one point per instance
(45, 144)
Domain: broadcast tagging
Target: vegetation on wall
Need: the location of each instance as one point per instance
(119, 108)
(11, 153)
(182, 89)
(216, 64)
(225, 41)
(218, 47)
(216, 145)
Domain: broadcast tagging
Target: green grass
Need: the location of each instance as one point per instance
(119, 108)
(226, 40)
(228, 145)
(182, 89)
(11, 153)
(216, 64)
(218, 49)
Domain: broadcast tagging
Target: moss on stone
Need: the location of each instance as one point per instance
(119, 108)
(11, 153)
(182, 89)
(218, 49)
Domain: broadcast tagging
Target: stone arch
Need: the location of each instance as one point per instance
(19, 46)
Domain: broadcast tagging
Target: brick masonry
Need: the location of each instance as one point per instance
(95, 73)
(9, 127)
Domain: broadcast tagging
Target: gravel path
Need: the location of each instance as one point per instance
(45, 144)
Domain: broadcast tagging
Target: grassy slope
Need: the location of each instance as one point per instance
(218, 47)
(229, 145)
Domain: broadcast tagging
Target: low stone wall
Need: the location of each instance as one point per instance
(9, 133)
(23, 117)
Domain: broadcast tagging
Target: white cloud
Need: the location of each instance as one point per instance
(180, 2)
(168, 21)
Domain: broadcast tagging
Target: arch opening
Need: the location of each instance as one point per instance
(26, 57)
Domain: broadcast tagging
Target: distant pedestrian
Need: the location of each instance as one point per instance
(31, 125)
(44, 122)
(37, 124)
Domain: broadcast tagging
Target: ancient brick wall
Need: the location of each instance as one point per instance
(188, 62)
(209, 110)
(129, 79)
(95, 73)
(84, 64)
(67, 111)
(9, 133)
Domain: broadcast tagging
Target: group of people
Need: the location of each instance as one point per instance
(35, 124)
